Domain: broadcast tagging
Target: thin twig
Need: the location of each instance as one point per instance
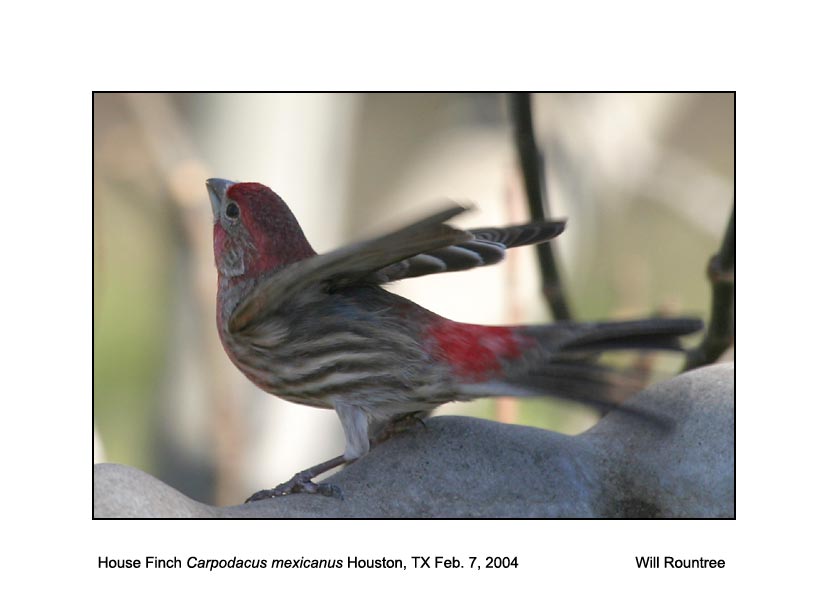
(722, 274)
(532, 167)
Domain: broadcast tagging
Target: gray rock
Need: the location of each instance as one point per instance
(464, 467)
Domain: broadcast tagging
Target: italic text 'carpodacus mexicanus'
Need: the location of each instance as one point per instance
(320, 330)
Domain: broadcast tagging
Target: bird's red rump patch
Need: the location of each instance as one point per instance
(474, 351)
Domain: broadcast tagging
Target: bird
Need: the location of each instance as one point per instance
(321, 329)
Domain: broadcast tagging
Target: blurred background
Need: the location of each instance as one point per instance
(645, 181)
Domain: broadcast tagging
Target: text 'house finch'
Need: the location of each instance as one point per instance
(320, 330)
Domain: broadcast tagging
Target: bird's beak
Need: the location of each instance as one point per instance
(217, 188)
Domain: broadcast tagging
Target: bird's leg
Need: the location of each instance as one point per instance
(302, 483)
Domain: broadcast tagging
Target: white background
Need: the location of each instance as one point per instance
(54, 56)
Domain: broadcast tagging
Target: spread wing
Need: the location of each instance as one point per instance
(487, 246)
(350, 264)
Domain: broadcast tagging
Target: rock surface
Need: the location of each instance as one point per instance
(465, 467)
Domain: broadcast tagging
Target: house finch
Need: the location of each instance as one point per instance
(320, 329)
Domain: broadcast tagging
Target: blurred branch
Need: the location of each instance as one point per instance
(532, 167)
(722, 274)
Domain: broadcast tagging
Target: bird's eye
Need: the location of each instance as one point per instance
(232, 210)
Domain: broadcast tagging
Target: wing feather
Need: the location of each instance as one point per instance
(349, 265)
(487, 247)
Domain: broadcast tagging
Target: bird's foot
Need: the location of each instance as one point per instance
(297, 484)
(398, 426)
(302, 483)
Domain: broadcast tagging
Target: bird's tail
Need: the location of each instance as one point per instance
(644, 334)
(565, 362)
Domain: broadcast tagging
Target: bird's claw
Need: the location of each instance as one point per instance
(398, 426)
(300, 483)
